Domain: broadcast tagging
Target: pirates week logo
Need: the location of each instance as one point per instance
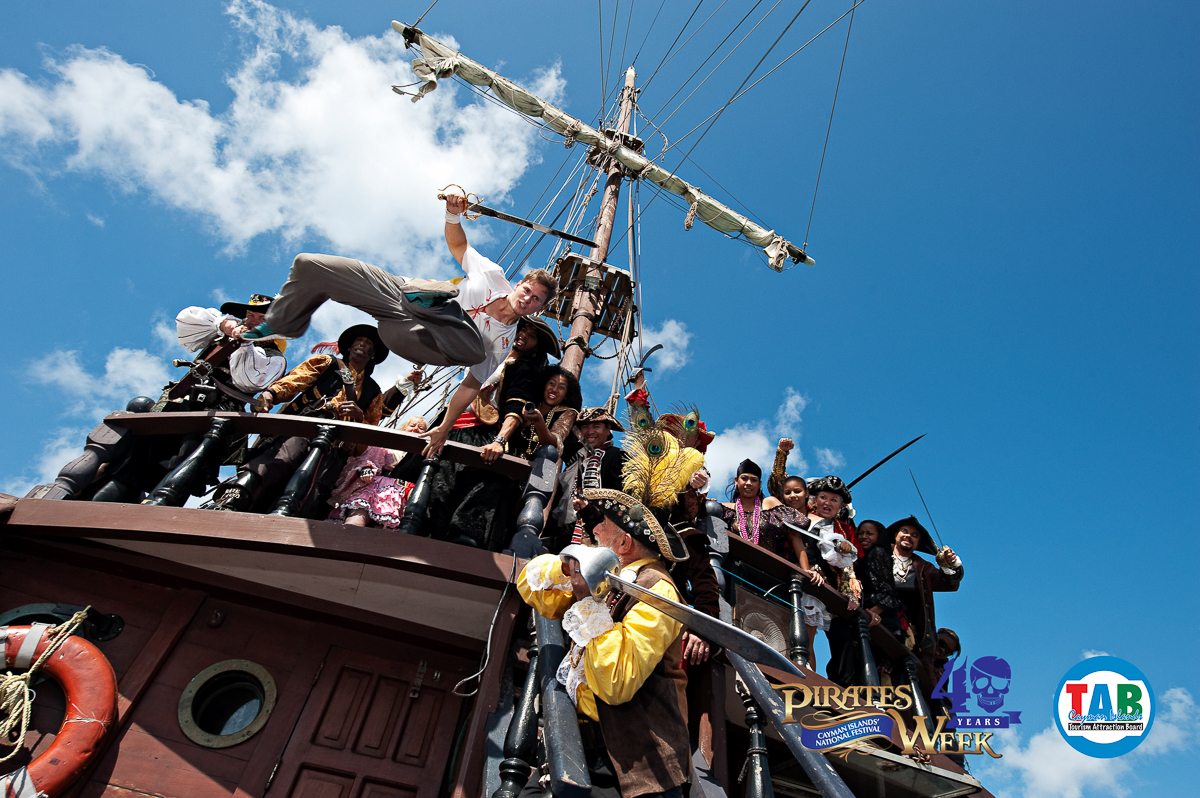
(989, 682)
(870, 713)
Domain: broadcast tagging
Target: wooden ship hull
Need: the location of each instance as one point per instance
(369, 639)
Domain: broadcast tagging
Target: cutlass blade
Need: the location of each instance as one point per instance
(711, 629)
(535, 226)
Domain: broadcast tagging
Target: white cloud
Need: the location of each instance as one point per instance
(787, 417)
(165, 335)
(1049, 768)
(127, 373)
(757, 440)
(675, 354)
(96, 220)
(328, 150)
(1175, 724)
(63, 446)
(1089, 653)
(829, 460)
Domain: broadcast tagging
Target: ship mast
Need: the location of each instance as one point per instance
(586, 302)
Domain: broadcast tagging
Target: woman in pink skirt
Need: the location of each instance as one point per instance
(363, 496)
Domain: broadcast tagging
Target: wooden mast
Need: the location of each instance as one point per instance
(586, 303)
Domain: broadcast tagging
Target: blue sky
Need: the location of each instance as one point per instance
(1004, 237)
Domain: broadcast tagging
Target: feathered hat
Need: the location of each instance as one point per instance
(656, 469)
(685, 424)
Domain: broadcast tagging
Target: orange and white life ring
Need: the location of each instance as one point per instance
(90, 687)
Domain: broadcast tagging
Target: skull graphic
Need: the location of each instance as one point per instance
(990, 677)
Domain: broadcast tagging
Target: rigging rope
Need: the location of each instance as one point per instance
(603, 77)
(16, 697)
(718, 66)
(647, 36)
(833, 107)
(625, 42)
(668, 52)
(768, 74)
(431, 5)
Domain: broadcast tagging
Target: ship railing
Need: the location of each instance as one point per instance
(113, 439)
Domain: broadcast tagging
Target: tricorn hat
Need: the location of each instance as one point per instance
(259, 303)
(350, 334)
(646, 524)
(829, 484)
(926, 545)
(591, 415)
(547, 340)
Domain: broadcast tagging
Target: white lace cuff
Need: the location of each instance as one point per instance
(587, 620)
(571, 672)
(545, 573)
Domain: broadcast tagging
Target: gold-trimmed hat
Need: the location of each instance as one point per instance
(599, 414)
(640, 521)
(259, 303)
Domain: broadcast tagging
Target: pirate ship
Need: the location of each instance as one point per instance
(273, 654)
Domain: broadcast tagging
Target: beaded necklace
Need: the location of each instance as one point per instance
(741, 519)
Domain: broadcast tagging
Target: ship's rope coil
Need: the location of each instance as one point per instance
(16, 695)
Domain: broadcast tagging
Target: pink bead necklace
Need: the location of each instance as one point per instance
(741, 519)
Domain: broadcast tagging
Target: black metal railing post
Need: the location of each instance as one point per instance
(870, 673)
(756, 773)
(569, 776)
(798, 632)
(520, 745)
(298, 487)
(920, 705)
(176, 486)
(417, 506)
(526, 541)
(815, 765)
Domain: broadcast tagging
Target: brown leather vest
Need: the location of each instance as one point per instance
(647, 736)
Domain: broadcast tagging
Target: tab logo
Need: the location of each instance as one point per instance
(1104, 707)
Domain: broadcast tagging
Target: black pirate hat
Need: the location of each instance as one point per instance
(547, 340)
(350, 334)
(647, 524)
(829, 484)
(259, 303)
(926, 545)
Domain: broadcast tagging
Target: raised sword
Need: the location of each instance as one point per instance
(884, 460)
(475, 207)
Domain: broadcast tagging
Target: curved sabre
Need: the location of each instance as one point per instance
(708, 627)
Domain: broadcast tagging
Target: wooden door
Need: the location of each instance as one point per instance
(363, 734)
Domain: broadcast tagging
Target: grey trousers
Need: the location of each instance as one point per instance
(439, 336)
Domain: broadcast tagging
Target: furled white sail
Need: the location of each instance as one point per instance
(439, 61)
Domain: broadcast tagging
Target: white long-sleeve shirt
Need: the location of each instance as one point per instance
(251, 367)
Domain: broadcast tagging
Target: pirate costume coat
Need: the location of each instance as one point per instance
(309, 390)
(916, 580)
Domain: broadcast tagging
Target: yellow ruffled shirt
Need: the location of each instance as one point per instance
(613, 664)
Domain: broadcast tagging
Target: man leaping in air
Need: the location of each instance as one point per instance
(470, 321)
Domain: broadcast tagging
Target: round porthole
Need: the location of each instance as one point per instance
(227, 703)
